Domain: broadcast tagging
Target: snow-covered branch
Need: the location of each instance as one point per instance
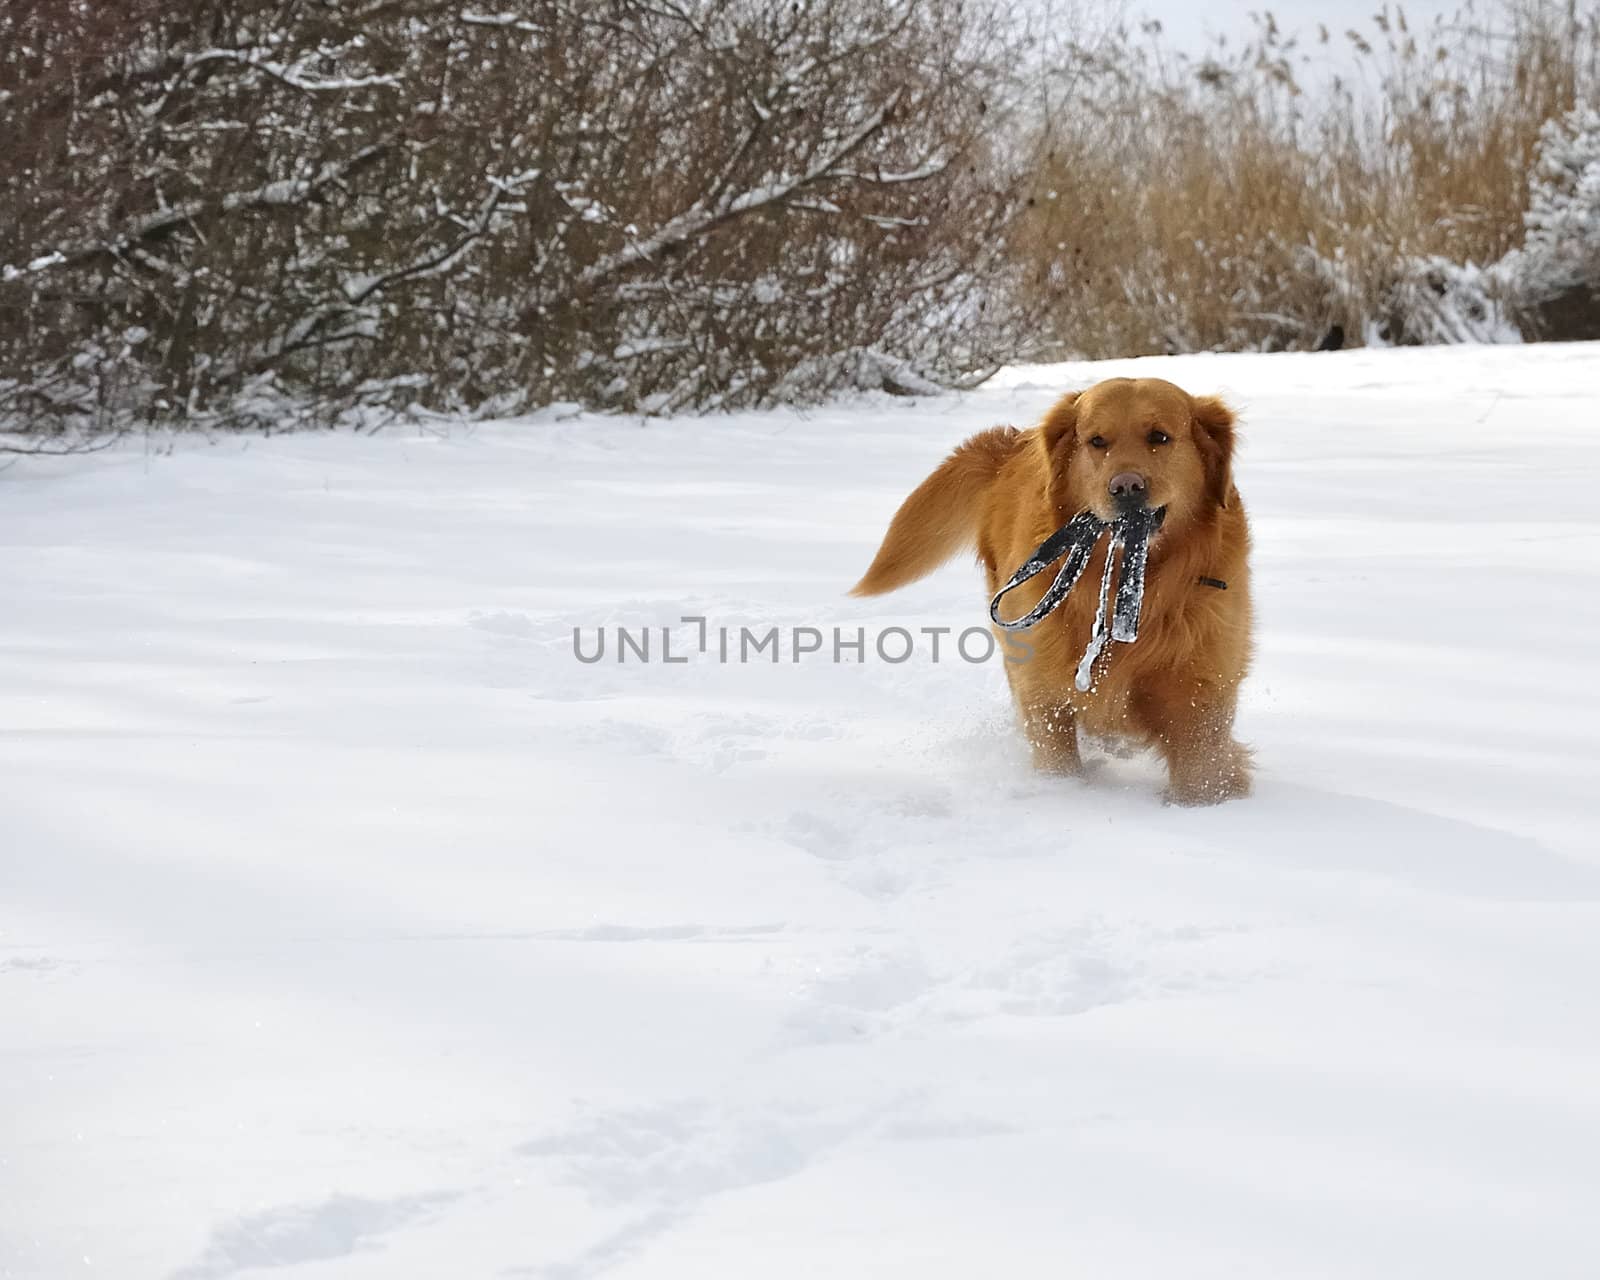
(699, 219)
(655, 204)
(295, 75)
(283, 191)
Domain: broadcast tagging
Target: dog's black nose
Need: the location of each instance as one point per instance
(1128, 488)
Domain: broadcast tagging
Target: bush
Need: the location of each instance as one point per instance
(1216, 204)
(236, 210)
(1555, 275)
(265, 212)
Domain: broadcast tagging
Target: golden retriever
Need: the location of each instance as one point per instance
(1121, 444)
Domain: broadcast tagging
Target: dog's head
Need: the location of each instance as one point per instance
(1129, 443)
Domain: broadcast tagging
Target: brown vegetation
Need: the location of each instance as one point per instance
(269, 211)
(218, 211)
(1298, 188)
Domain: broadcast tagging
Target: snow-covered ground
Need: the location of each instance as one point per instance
(351, 927)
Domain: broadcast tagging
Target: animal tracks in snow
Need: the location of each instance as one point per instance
(322, 1231)
(657, 1164)
(40, 966)
(678, 1153)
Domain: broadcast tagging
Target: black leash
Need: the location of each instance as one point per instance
(1076, 540)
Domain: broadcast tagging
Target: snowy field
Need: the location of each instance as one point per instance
(351, 927)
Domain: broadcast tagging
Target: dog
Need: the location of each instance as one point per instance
(1121, 445)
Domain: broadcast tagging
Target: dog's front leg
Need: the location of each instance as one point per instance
(1053, 736)
(1193, 725)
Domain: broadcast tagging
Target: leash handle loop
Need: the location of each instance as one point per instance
(1074, 539)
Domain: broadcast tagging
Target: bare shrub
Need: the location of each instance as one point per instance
(246, 209)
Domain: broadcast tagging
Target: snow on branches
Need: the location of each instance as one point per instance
(1562, 248)
(639, 204)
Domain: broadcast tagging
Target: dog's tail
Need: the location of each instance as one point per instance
(940, 517)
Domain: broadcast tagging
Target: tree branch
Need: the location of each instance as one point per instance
(699, 219)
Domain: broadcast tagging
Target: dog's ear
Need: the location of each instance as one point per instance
(1213, 436)
(1058, 431)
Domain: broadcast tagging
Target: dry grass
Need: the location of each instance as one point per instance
(1259, 200)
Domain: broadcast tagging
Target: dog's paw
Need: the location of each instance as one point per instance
(1192, 797)
(1193, 793)
(1056, 763)
(1218, 775)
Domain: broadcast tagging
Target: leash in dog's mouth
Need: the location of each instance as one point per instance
(1075, 540)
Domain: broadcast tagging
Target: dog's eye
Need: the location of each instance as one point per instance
(1160, 437)
(1097, 442)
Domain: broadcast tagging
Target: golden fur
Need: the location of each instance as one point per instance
(1004, 491)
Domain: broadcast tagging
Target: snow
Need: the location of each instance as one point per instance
(1561, 251)
(351, 927)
